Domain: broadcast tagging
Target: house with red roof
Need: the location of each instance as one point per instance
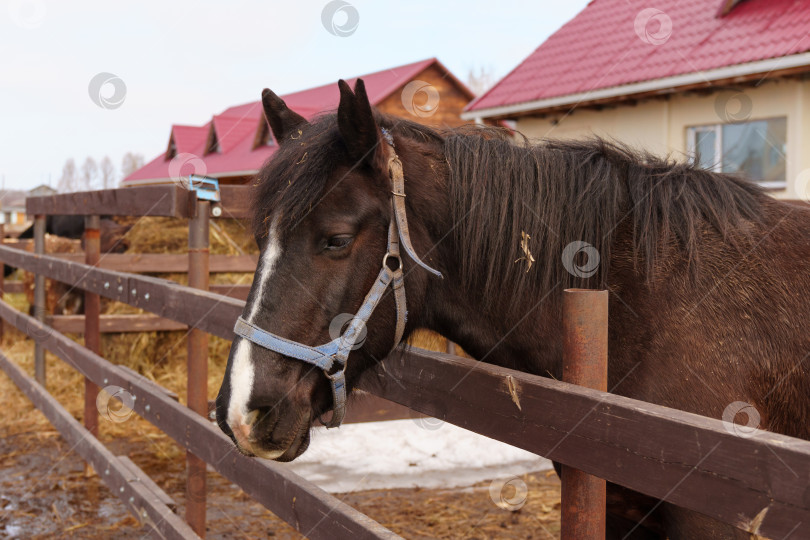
(723, 81)
(234, 144)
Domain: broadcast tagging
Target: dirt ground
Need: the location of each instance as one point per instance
(44, 494)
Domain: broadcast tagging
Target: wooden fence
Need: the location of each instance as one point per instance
(758, 483)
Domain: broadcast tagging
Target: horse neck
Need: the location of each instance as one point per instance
(504, 333)
(524, 332)
(493, 334)
(518, 324)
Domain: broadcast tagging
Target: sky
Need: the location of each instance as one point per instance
(180, 62)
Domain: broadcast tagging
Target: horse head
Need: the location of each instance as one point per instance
(328, 296)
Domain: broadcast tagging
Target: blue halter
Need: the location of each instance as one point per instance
(335, 353)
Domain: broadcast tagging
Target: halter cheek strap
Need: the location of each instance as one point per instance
(398, 191)
(331, 357)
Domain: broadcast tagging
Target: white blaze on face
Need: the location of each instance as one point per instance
(242, 369)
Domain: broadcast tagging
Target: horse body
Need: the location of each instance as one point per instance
(707, 276)
(733, 333)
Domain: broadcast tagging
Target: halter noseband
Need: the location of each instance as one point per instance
(336, 352)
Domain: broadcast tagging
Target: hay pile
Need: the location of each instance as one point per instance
(170, 235)
(161, 356)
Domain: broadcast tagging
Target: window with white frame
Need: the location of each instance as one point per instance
(754, 150)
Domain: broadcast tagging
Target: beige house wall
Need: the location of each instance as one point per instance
(660, 125)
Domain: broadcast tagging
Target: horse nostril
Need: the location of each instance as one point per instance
(263, 419)
(251, 417)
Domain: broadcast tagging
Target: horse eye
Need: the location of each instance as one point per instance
(339, 242)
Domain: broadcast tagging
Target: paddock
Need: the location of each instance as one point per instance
(754, 480)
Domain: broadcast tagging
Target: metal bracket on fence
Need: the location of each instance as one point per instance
(206, 189)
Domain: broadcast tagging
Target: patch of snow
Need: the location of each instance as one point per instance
(423, 452)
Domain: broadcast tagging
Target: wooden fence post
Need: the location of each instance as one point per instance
(197, 384)
(39, 298)
(585, 328)
(92, 335)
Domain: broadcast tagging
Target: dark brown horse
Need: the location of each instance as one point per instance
(709, 277)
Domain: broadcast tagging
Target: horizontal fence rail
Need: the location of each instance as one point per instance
(300, 503)
(208, 311)
(684, 458)
(115, 323)
(165, 263)
(171, 200)
(14, 287)
(689, 460)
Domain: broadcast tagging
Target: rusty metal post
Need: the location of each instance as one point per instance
(92, 333)
(197, 384)
(39, 298)
(585, 330)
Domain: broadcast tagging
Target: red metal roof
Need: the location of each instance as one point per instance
(237, 128)
(615, 42)
(188, 138)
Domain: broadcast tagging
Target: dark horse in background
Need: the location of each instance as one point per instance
(708, 276)
(70, 300)
(112, 234)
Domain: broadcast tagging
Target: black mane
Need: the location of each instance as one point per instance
(567, 191)
(556, 191)
(293, 180)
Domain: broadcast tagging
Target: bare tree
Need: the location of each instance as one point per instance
(68, 181)
(89, 174)
(107, 170)
(131, 163)
(479, 81)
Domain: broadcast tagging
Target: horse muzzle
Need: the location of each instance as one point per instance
(263, 433)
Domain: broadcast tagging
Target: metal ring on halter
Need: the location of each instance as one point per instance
(399, 261)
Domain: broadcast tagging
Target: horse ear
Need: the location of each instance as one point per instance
(356, 123)
(283, 121)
